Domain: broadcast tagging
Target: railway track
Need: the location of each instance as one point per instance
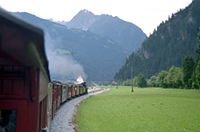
(62, 121)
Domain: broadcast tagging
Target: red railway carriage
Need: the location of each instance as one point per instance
(49, 112)
(57, 86)
(80, 89)
(76, 88)
(69, 91)
(73, 93)
(53, 101)
(64, 92)
(24, 76)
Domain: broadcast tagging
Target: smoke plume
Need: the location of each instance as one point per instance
(62, 67)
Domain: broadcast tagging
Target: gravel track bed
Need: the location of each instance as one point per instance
(62, 121)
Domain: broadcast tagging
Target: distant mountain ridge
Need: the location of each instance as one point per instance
(167, 46)
(126, 34)
(99, 55)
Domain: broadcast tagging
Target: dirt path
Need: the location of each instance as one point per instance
(62, 121)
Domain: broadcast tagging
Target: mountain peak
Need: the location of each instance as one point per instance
(85, 11)
(83, 20)
(126, 34)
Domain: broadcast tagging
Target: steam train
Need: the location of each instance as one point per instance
(28, 97)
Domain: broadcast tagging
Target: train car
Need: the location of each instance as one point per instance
(53, 99)
(80, 89)
(85, 89)
(66, 93)
(49, 111)
(24, 76)
(73, 90)
(69, 91)
(56, 96)
(76, 88)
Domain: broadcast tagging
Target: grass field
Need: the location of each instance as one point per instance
(146, 109)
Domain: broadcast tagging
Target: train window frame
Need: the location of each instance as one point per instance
(8, 119)
(21, 112)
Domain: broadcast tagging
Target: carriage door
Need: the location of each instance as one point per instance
(13, 106)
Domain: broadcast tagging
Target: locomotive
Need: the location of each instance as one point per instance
(28, 97)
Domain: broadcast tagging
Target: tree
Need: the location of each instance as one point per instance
(198, 74)
(161, 78)
(174, 77)
(188, 65)
(127, 82)
(179, 78)
(153, 81)
(141, 81)
(135, 83)
(170, 77)
(198, 40)
(194, 76)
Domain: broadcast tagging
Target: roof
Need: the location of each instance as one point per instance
(22, 41)
(18, 21)
(57, 82)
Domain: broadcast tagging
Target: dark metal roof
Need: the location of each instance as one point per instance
(18, 21)
(23, 41)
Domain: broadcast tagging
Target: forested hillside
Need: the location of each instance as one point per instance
(169, 44)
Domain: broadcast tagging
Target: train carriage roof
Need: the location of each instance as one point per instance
(22, 41)
(57, 82)
(15, 20)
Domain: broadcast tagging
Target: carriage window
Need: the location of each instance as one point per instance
(8, 120)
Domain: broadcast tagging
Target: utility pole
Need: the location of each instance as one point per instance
(95, 75)
(103, 75)
(132, 77)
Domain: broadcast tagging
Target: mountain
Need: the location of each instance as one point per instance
(71, 52)
(126, 34)
(83, 20)
(173, 40)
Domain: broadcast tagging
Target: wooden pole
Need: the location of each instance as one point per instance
(132, 78)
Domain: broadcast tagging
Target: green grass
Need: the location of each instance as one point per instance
(146, 109)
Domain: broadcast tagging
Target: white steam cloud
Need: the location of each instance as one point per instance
(62, 67)
(65, 67)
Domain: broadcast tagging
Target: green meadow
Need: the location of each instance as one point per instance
(144, 110)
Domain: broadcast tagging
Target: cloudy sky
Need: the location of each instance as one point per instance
(147, 14)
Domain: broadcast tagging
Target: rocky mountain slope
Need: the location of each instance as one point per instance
(126, 34)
